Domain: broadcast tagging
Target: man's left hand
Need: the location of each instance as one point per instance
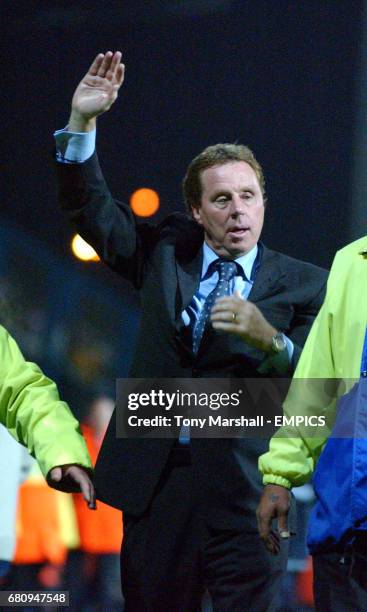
(73, 479)
(235, 315)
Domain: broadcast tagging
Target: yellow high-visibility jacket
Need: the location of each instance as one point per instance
(333, 350)
(31, 410)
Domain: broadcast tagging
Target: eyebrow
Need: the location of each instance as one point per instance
(220, 192)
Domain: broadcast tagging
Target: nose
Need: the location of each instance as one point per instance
(237, 206)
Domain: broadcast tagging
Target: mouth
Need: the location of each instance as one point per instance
(238, 232)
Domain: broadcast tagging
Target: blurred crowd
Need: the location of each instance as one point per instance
(59, 544)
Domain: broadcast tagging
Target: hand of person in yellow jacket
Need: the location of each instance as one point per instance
(73, 479)
(274, 504)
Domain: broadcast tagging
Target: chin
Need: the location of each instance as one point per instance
(239, 248)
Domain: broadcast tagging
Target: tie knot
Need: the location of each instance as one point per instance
(226, 269)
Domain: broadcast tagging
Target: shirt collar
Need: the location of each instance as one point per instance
(245, 262)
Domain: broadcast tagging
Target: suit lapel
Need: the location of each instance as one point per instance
(269, 277)
(188, 276)
(189, 261)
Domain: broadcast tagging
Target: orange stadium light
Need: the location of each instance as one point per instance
(144, 202)
(82, 250)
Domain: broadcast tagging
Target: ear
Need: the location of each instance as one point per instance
(196, 214)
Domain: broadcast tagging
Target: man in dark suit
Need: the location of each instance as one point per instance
(189, 505)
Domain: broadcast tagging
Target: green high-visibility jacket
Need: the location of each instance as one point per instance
(333, 350)
(31, 410)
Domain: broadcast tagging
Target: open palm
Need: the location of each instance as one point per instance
(99, 88)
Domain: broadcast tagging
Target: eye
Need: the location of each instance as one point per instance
(222, 200)
(247, 197)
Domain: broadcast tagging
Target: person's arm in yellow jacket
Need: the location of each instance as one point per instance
(331, 355)
(31, 410)
(292, 453)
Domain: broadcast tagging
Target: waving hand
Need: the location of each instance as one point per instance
(97, 91)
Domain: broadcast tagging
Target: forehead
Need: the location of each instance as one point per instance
(232, 175)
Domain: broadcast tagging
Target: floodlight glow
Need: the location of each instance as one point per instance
(82, 250)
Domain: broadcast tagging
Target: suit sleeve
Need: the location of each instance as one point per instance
(31, 410)
(305, 295)
(109, 226)
(305, 316)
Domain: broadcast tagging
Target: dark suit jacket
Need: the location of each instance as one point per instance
(164, 263)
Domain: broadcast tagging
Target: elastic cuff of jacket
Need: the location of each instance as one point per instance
(277, 480)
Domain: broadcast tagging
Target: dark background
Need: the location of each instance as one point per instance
(281, 77)
(278, 76)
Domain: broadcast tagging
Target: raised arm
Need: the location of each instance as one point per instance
(109, 226)
(96, 92)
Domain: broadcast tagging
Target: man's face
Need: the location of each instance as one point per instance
(231, 209)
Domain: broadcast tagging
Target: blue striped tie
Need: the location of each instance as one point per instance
(226, 270)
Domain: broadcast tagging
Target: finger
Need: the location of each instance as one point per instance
(85, 484)
(105, 64)
(238, 295)
(229, 301)
(84, 487)
(223, 315)
(56, 474)
(225, 298)
(94, 67)
(283, 525)
(228, 317)
(92, 504)
(79, 477)
(114, 64)
(120, 74)
(263, 524)
(223, 306)
(226, 326)
(268, 536)
(272, 543)
(92, 496)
